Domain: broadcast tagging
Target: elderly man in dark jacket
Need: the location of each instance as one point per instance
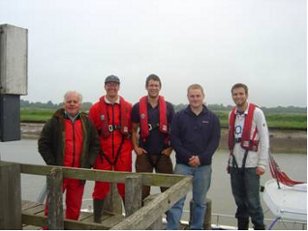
(69, 139)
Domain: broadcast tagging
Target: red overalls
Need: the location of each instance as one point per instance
(113, 123)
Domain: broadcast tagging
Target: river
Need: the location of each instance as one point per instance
(295, 165)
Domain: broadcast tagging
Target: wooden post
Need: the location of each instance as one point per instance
(10, 196)
(54, 199)
(133, 194)
(158, 224)
(207, 223)
(208, 215)
(113, 201)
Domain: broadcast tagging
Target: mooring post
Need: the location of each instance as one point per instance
(113, 201)
(10, 196)
(54, 199)
(207, 224)
(208, 215)
(133, 194)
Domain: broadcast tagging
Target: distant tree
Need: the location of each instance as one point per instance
(49, 104)
(217, 108)
(86, 106)
(179, 107)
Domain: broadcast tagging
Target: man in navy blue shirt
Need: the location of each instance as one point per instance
(152, 116)
(195, 135)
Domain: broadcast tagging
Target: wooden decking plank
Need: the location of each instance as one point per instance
(35, 210)
(85, 215)
(105, 216)
(31, 227)
(25, 205)
(113, 220)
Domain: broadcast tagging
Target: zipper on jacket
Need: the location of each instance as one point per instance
(112, 133)
(73, 125)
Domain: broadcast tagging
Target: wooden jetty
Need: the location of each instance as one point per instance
(18, 214)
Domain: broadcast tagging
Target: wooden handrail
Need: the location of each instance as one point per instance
(140, 219)
(148, 179)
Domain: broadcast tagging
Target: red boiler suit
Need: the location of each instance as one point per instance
(113, 123)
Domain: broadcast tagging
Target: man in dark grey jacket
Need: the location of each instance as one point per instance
(195, 135)
(69, 139)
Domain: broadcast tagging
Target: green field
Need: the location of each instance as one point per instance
(277, 121)
(274, 120)
(35, 115)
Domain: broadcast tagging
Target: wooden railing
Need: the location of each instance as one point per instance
(137, 216)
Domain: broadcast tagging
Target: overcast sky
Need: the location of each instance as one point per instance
(216, 43)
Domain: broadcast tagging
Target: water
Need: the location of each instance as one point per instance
(295, 165)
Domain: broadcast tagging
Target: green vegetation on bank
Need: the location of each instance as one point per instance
(275, 120)
(35, 114)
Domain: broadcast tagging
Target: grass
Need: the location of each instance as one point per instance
(35, 114)
(274, 120)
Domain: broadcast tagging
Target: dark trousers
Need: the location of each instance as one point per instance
(147, 163)
(245, 188)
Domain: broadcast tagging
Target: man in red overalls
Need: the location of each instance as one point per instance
(69, 139)
(111, 116)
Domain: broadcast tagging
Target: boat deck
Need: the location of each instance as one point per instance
(34, 208)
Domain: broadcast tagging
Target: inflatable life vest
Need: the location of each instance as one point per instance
(124, 126)
(247, 142)
(73, 143)
(145, 127)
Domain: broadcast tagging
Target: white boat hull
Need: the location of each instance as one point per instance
(286, 202)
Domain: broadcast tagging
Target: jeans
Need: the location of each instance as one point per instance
(245, 188)
(201, 184)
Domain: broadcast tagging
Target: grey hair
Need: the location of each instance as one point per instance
(73, 92)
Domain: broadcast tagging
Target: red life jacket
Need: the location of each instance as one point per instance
(246, 142)
(143, 110)
(73, 143)
(125, 111)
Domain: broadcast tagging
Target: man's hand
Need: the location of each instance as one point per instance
(167, 151)
(194, 161)
(260, 171)
(139, 151)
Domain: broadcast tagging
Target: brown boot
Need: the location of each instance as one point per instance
(97, 210)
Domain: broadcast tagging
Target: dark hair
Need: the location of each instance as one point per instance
(152, 77)
(239, 85)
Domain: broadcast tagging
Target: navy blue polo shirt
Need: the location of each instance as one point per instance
(193, 134)
(155, 143)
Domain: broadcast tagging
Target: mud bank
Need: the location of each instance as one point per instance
(282, 141)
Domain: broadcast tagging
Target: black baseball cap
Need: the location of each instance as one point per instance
(112, 78)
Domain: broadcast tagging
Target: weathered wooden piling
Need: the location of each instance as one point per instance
(55, 199)
(133, 194)
(208, 215)
(10, 196)
(207, 224)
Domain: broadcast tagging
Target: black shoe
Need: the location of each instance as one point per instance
(243, 223)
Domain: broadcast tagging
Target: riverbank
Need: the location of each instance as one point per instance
(25, 151)
(282, 141)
